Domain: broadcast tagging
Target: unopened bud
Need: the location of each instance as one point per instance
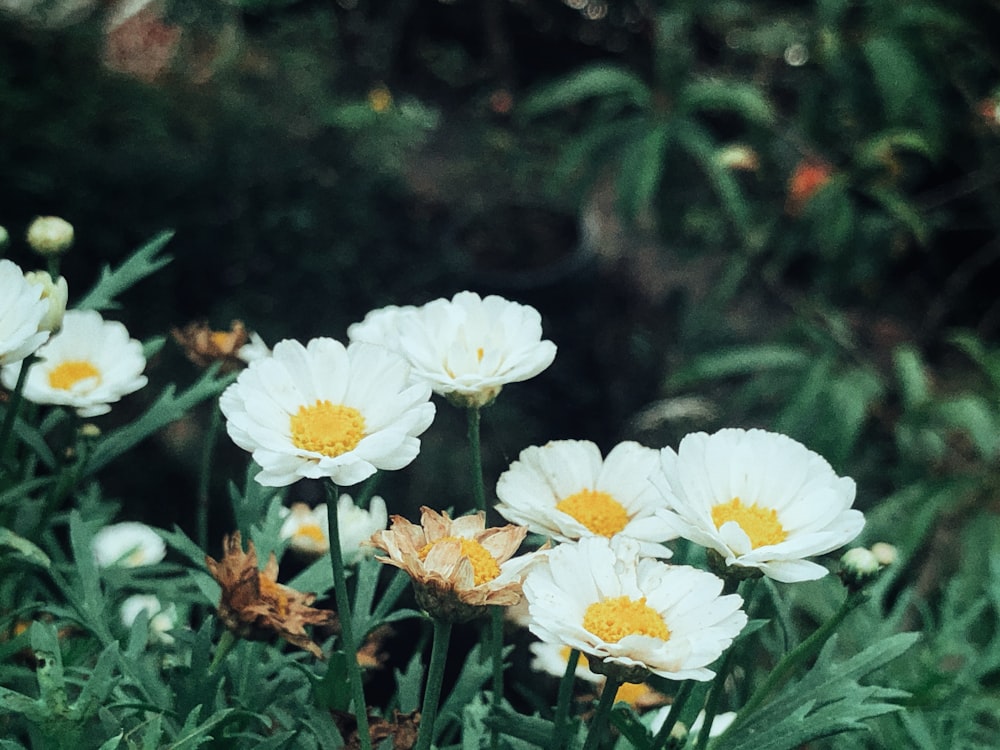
(57, 294)
(50, 235)
(858, 567)
(90, 430)
(885, 553)
(4, 237)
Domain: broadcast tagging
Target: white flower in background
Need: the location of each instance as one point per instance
(564, 489)
(631, 615)
(254, 349)
(50, 235)
(308, 530)
(380, 326)
(88, 365)
(161, 619)
(720, 723)
(323, 410)
(56, 293)
(761, 500)
(552, 659)
(467, 348)
(128, 544)
(22, 311)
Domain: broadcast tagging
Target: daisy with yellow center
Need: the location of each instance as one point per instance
(325, 410)
(631, 615)
(565, 490)
(90, 364)
(760, 501)
(467, 347)
(458, 566)
(307, 528)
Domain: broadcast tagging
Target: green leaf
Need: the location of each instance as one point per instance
(475, 672)
(408, 684)
(641, 170)
(827, 701)
(91, 599)
(697, 142)
(98, 685)
(533, 729)
(744, 360)
(112, 743)
(168, 408)
(897, 75)
(899, 207)
(142, 263)
(876, 151)
(976, 417)
(193, 734)
(599, 80)
(914, 383)
(742, 98)
(24, 548)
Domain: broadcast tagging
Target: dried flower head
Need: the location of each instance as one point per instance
(458, 566)
(255, 606)
(203, 346)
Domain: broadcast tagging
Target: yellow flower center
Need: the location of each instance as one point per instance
(598, 511)
(760, 524)
(270, 591)
(484, 565)
(613, 619)
(312, 532)
(327, 428)
(67, 374)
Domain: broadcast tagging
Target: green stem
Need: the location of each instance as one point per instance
(599, 725)
(226, 643)
(9, 417)
(349, 645)
(805, 650)
(435, 678)
(476, 459)
(496, 648)
(562, 704)
(714, 698)
(683, 693)
(204, 476)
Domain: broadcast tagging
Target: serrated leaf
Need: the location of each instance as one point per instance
(599, 80)
(140, 264)
(24, 548)
(193, 734)
(827, 701)
(408, 684)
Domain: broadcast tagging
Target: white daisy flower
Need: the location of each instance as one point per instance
(161, 619)
(254, 349)
(308, 529)
(631, 615)
(128, 544)
(552, 659)
(323, 410)
(56, 293)
(467, 348)
(720, 723)
(22, 311)
(564, 489)
(760, 500)
(88, 365)
(380, 326)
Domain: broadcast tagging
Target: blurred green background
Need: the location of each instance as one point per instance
(774, 214)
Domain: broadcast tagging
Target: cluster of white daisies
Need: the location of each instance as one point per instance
(760, 502)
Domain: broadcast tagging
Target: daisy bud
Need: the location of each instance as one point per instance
(885, 553)
(56, 293)
(858, 566)
(50, 235)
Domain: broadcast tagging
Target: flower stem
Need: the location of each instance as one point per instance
(562, 704)
(349, 645)
(496, 648)
(809, 647)
(204, 476)
(599, 725)
(13, 406)
(435, 677)
(476, 459)
(226, 643)
(683, 693)
(713, 700)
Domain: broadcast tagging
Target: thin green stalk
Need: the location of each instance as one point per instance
(205, 475)
(226, 643)
(805, 650)
(350, 646)
(476, 459)
(496, 648)
(599, 725)
(714, 699)
(435, 678)
(562, 703)
(683, 693)
(9, 417)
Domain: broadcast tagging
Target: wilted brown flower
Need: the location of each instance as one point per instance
(255, 606)
(458, 566)
(203, 346)
(403, 729)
